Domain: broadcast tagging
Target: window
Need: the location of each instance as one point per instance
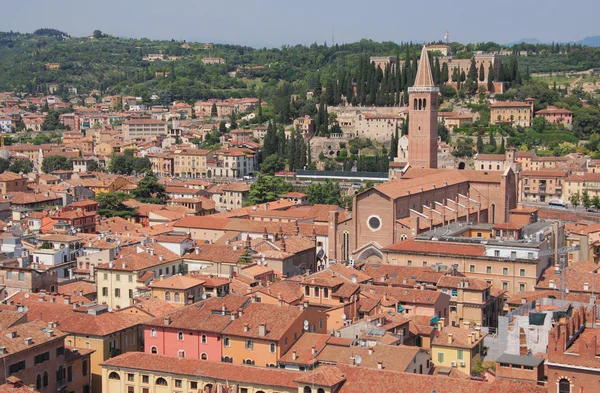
(46, 378)
(161, 382)
(118, 276)
(424, 263)
(316, 291)
(203, 339)
(409, 263)
(321, 324)
(307, 290)
(117, 292)
(38, 382)
(114, 376)
(21, 276)
(460, 354)
(326, 293)
(522, 272)
(70, 374)
(249, 344)
(564, 386)
(181, 354)
(272, 347)
(41, 358)
(488, 269)
(307, 389)
(440, 357)
(167, 296)
(513, 254)
(105, 276)
(9, 277)
(194, 385)
(105, 291)
(60, 351)
(530, 255)
(472, 268)
(154, 350)
(153, 333)
(130, 377)
(131, 293)
(496, 253)
(454, 293)
(145, 379)
(374, 223)
(505, 271)
(204, 356)
(130, 276)
(16, 367)
(177, 297)
(505, 286)
(521, 287)
(226, 341)
(178, 383)
(130, 389)
(180, 336)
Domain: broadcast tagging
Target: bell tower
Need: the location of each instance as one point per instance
(423, 114)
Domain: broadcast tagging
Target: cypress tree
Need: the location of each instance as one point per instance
(444, 76)
(502, 148)
(481, 73)
(213, 110)
(479, 144)
(490, 80)
(437, 71)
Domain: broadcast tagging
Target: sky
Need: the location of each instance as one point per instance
(274, 23)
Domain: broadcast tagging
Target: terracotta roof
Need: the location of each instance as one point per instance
(177, 282)
(303, 349)
(395, 275)
(36, 330)
(459, 338)
(509, 104)
(490, 157)
(398, 294)
(76, 287)
(134, 259)
(230, 373)
(350, 273)
(393, 358)
(215, 253)
(424, 77)
(152, 307)
(291, 291)
(420, 247)
(552, 110)
(466, 283)
(278, 320)
(544, 173)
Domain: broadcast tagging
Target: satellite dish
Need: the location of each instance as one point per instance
(344, 317)
(20, 309)
(306, 325)
(204, 296)
(353, 280)
(358, 360)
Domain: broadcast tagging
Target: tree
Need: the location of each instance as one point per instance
(56, 162)
(444, 77)
(267, 189)
(223, 127)
(128, 163)
(213, 110)
(111, 205)
(464, 148)
(479, 144)
(93, 166)
(272, 164)
(596, 202)
(490, 79)
(149, 190)
(21, 166)
(586, 201)
(97, 34)
(327, 193)
(4, 165)
(575, 200)
(481, 73)
(502, 148)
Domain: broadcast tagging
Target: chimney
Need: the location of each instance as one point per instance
(449, 338)
(2, 350)
(50, 333)
(124, 265)
(294, 356)
(197, 251)
(240, 313)
(265, 234)
(233, 316)
(161, 258)
(28, 341)
(167, 321)
(385, 298)
(478, 332)
(370, 351)
(151, 251)
(353, 361)
(313, 350)
(380, 365)
(246, 328)
(262, 329)
(111, 265)
(162, 277)
(67, 300)
(52, 300)
(223, 308)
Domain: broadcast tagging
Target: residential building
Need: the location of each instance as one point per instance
(144, 128)
(178, 290)
(12, 182)
(578, 184)
(119, 281)
(512, 112)
(556, 115)
(213, 60)
(458, 348)
(544, 185)
(191, 163)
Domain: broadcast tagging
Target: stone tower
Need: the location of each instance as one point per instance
(423, 113)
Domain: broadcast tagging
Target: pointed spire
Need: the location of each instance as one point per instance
(424, 77)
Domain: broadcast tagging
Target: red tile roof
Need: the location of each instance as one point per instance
(435, 248)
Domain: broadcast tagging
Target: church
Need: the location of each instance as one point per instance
(422, 197)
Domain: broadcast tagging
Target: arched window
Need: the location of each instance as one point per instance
(38, 382)
(492, 219)
(154, 350)
(320, 390)
(161, 382)
(316, 291)
(424, 103)
(203, 339)
(248, 361)
(208, 388)
(307, 389)
(326, 292)
(227, 359)
(345, 246)
(307, 290)
(180, 336)
(272, 347)
(153, 333)
(177, 297)
(204, 356)
(564, 386)
(420, 104)
(226, 341)
(415, 108)
(181, 354)
(167, 296)
(112, 375)
(46, 378)
(403, 237)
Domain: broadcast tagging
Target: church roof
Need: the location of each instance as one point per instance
(424, 77)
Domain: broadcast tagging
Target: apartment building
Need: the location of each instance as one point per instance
(512, 112)
(192, 163)
(543, 185)
(144, 128)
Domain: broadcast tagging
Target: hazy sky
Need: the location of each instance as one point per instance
(277, 22)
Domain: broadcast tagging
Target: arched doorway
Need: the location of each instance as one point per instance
(564, 386)
(461, 165)
(370, 253)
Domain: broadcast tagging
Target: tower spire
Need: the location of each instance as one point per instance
(424, 77)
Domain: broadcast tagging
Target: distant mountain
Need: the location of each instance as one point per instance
(533, 41)
(591, 41)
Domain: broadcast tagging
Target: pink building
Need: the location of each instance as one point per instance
(556, 115)
(193, 331)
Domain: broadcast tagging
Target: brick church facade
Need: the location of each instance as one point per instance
(423, 197)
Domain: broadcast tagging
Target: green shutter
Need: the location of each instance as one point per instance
(459, 354)
(440, 357)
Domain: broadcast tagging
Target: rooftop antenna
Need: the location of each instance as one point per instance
(333, 36)
(447, 37)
